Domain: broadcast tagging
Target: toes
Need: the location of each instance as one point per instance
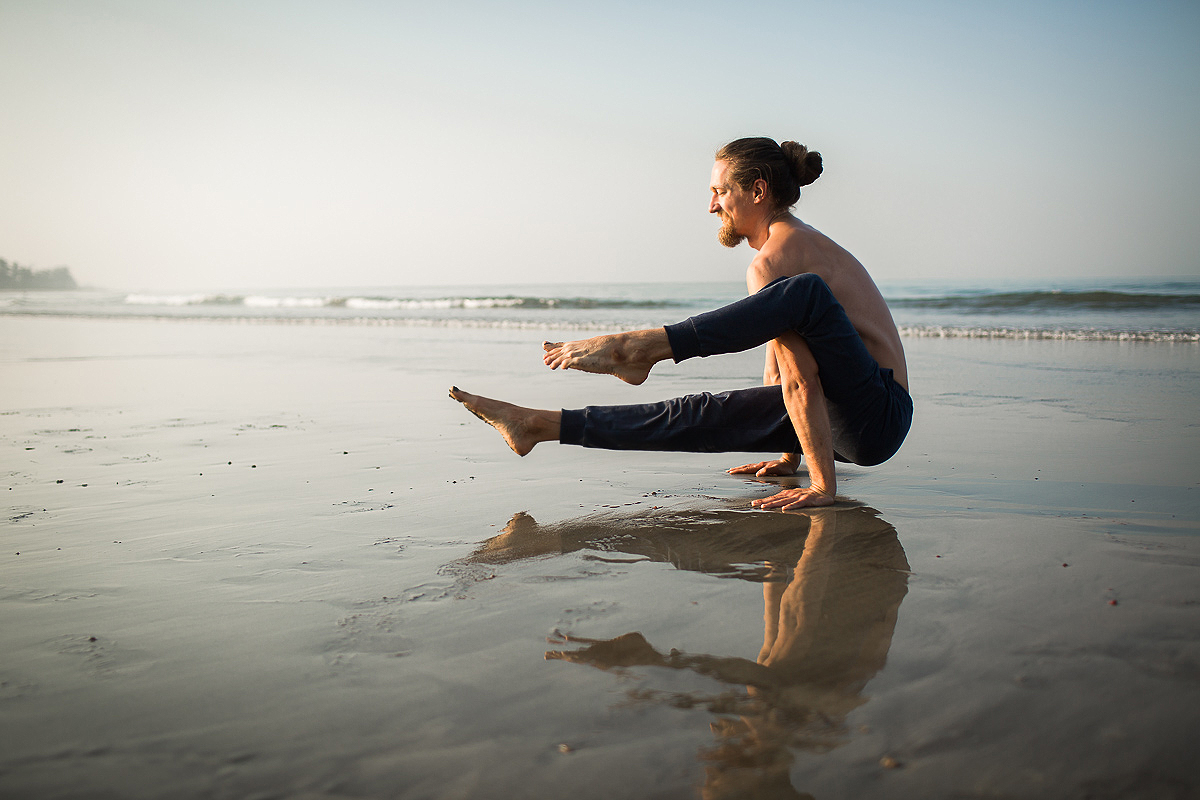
(548, 346)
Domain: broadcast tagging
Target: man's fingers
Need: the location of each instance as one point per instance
(794, 498)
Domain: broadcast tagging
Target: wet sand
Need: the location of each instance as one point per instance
(276, 561)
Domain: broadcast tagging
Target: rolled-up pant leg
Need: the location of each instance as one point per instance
(869, 413)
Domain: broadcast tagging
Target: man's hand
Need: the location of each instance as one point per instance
(788, 499)
(786, 464)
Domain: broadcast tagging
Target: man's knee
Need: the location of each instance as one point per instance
(809, 288)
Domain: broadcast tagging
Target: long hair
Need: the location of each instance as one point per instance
(785, 167)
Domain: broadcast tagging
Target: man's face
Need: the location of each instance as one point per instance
(728, 202)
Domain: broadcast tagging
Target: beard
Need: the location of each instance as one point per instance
(727, 235)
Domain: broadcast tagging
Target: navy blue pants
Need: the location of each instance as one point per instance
(869, 413)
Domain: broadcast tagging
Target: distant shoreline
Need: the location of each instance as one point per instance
(16, 278)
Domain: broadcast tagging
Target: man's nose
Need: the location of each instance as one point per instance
(713, 207)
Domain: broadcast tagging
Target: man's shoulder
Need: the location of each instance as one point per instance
(788, 250)
(773, 263)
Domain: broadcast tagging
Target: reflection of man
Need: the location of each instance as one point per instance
(827, 633)
(835, 375)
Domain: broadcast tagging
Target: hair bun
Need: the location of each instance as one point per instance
(805, 166)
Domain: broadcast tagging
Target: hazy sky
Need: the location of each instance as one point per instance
(151, 144)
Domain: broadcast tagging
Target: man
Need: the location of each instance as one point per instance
(835, 379)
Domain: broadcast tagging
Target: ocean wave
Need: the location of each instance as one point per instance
(176, 300)
(397, 303)
(255, 301)
(1042, 301)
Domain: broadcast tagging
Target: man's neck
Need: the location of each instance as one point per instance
(763, 232)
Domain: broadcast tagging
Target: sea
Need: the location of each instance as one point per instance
(1141, 310)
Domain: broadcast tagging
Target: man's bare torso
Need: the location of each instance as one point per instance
(794, 248)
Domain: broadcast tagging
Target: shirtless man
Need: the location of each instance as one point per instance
(835, 379)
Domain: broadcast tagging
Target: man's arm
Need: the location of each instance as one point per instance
(786, 464)
(802, 396)
(805, 403)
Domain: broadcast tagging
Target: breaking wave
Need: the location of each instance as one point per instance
(1052, 301)
(396, 303)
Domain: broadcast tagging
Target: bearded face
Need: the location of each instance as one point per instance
(728, 235)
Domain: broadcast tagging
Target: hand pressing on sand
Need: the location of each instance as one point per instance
(787, 464)
(629, 355)
(791, 499)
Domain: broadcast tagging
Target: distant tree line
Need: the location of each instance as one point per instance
(14, 277)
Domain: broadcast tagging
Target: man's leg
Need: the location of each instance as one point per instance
(802, 303)
(747, 420)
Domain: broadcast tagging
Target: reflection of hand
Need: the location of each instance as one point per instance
(781, 466)
(788, 499)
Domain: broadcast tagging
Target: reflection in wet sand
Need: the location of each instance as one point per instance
(833, 580)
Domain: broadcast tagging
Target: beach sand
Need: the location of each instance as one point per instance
(276, 561)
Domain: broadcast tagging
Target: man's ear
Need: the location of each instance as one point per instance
(759, 190)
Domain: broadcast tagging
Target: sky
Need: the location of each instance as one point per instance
(159, 145)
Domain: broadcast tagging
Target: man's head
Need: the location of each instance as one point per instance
(761, 173)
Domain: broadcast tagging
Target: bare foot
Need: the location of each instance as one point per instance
(629, 355)
(521, 427)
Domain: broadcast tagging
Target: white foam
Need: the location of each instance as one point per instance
(167, 299)
(261, 301)
(1056, 334)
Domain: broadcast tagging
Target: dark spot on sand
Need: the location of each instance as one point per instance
(1112, 602)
